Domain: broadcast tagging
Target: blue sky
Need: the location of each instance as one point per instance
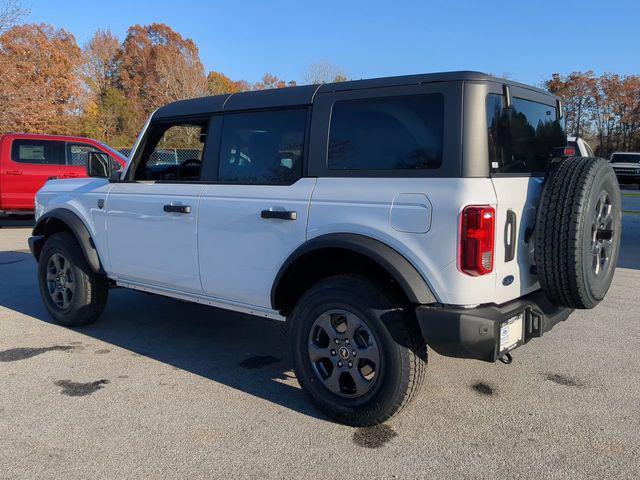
(527, 40)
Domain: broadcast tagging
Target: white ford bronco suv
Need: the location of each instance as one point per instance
(374, 217)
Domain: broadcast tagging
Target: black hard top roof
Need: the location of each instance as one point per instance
(303, 95)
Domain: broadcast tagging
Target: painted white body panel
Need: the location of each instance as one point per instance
(364, 206)
(241, 253)
(80, 196)
(224, 254)
(520, 195)
(149, 245)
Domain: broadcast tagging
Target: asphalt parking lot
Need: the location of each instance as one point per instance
(161, 388)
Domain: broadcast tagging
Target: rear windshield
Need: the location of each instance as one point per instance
(625, 157)
(522, 137)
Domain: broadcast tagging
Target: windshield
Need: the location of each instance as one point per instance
(625, 157)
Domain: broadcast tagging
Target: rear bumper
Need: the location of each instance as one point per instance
(475, 332)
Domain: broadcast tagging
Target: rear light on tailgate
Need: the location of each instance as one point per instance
(477, 227)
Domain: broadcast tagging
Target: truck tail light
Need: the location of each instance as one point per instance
(563, 152)
(476, 249)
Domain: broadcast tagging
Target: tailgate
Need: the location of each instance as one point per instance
(517, 200)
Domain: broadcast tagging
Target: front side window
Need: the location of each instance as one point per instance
(173, 152)
(263, 147)
(522, 137)
(42, 152)
(78, 154)
(387, 133)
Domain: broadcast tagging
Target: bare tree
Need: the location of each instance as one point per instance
(11, 11)
(100, 66)
(180, 75)
(323, 72)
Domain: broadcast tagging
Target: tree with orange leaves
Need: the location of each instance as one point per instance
(40, 79)
(218, 83)
(157, 65)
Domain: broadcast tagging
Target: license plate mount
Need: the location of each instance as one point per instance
(512, 333)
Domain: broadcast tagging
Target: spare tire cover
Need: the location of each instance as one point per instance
(578, 230)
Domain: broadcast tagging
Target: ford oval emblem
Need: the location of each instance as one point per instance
(508, 280)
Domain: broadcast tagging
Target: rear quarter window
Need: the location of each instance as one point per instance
(387, 133)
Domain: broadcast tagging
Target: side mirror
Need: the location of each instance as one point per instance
(98, 165)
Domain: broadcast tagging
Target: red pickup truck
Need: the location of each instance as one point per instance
(27, 161)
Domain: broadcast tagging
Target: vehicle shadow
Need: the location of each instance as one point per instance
(243, 352)
(21, 221)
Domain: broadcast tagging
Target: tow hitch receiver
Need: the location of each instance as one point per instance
(506, 358)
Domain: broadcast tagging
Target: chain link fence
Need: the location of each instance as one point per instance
(169, 156)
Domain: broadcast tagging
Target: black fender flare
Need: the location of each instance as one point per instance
(77, 228)
(404, 273)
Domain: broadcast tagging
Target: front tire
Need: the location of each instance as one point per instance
(73, 294)
(356, 350)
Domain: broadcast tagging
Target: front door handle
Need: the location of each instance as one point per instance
(280, 214)
(14, 172)
(70, 175)
(177, 208)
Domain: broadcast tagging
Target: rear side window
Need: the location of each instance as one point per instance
(387, 133)
(522, 137)
(42, 152)
(263, 148)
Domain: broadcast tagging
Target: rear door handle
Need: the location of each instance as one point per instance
(279, 214)
(177, 208)
(14, 172)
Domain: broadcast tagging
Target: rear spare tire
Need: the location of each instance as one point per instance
(577, 236)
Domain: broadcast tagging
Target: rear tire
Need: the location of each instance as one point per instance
(578, 231)
(73, 294)
(378, 364)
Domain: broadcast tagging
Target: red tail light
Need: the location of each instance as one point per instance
(477, 240)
